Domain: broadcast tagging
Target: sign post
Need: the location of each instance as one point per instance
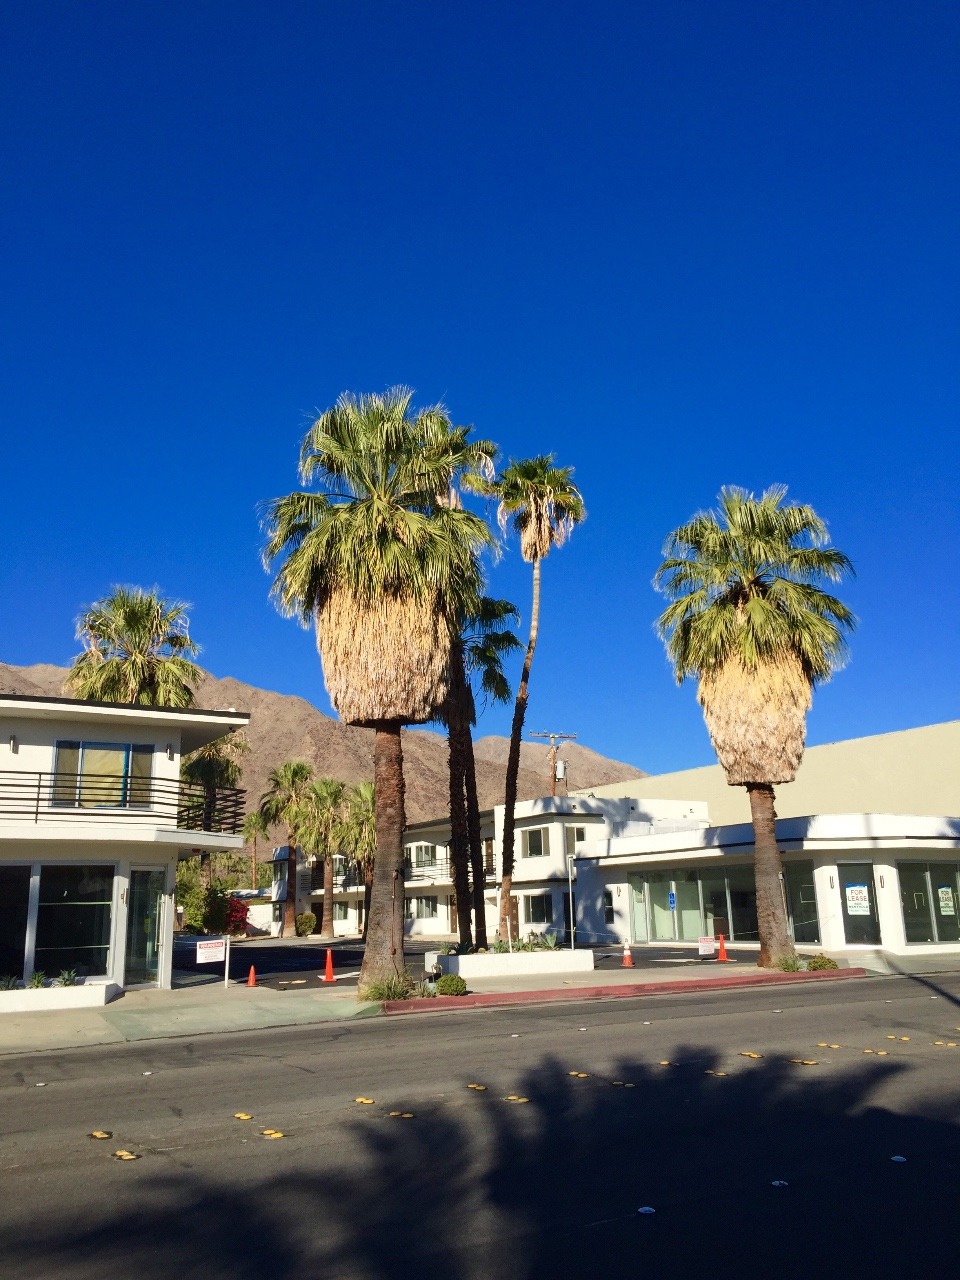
(209, 951)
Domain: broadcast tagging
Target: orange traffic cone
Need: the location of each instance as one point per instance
(722, 952)
(328, 971)
(627, 956)
(252, 977)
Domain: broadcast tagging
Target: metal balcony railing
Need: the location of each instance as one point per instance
(60, 797)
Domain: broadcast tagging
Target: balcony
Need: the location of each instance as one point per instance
(71, 798)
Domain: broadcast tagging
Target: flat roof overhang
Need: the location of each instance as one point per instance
(197, 726)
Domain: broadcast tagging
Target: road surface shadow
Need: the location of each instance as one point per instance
(771, 1169)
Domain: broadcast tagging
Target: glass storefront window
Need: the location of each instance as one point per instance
(716, 909)
(73, 920)
(802, 901)
(743, 904)
(687, 889)
(14, 901)
(915, 903)
(930, 901)
(661, 917)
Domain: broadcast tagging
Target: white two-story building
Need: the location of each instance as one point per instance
(93, 818)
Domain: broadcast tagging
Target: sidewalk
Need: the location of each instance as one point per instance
(201, 1010)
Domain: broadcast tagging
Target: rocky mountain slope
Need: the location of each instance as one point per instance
(283, 727)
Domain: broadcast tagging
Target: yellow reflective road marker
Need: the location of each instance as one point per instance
(938, 1042)
(480, 1088)
(101, 1134)
(273, 1133)
(125, 1155)
(664, 1062)
(747, 1054)
(366, 1102)
(242, 1115)
(406, 1115)
(395, 1113)
(904, 1038)
(835, 1046)
(882, 1053)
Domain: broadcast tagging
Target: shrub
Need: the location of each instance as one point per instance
(68, 978)
(821, 961)
(237, 912)
(791, 964)
(424, 990)
(305, 924)
(451, 984)
(8, 983)
(397, 987)
(37, 979)
(205, 910)
(500, 946)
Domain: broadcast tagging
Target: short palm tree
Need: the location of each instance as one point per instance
(374, 562)
(254, 830)
(543, 505)
(360, 838)
(281, 805)
(320, 827)
(750, 621)
(136, 649)
(213, 767)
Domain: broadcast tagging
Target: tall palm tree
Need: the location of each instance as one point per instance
(374, 562)
(136, 649)
(360, 838)
(543, 505)
(477, 653)
(749, 620)
(253, 830)
(320, 826)
(281, 805)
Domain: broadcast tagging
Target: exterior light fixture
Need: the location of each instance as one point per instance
(170, 751)
(14, 744)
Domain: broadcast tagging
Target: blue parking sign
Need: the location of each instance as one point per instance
(672, 900)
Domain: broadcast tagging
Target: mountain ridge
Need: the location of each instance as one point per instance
(286, 726)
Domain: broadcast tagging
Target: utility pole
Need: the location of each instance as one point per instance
(555, 739)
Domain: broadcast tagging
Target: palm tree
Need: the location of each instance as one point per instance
(477, 651)
(749, 621)
(281, 804)
(360, 838)
(374, 562)
(136, 649)
(213, 767)
(320, 825)
(254, 829)
(543, 505)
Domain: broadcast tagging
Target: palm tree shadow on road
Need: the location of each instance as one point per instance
(476, 1186)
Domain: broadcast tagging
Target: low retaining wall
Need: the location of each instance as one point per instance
(41, 999)
(506, 963)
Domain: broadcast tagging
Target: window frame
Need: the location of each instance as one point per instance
(73, 780)
(529, 899)
(543, 833)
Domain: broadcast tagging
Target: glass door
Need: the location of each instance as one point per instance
(639, 904)
(143, 926)
(859, 900)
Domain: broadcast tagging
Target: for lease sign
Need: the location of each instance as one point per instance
(214, 949)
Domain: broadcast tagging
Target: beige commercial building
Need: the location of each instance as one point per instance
(913, 771)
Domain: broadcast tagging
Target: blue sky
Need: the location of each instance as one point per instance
(680, 245)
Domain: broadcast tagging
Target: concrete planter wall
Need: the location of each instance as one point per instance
(493, 965)
(40, 999)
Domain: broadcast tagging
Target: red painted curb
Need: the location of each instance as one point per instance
(491, 999)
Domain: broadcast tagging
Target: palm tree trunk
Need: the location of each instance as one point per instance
(513, 757)
(476, 844)
(367, 895)
(290, 906)
(383, 955)
(326, 926)
(459, 834)
(775, 942)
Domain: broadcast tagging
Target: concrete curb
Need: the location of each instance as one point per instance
(492, 999)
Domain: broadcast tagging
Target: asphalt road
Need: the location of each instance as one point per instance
(280, 963)
(475, 1185)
